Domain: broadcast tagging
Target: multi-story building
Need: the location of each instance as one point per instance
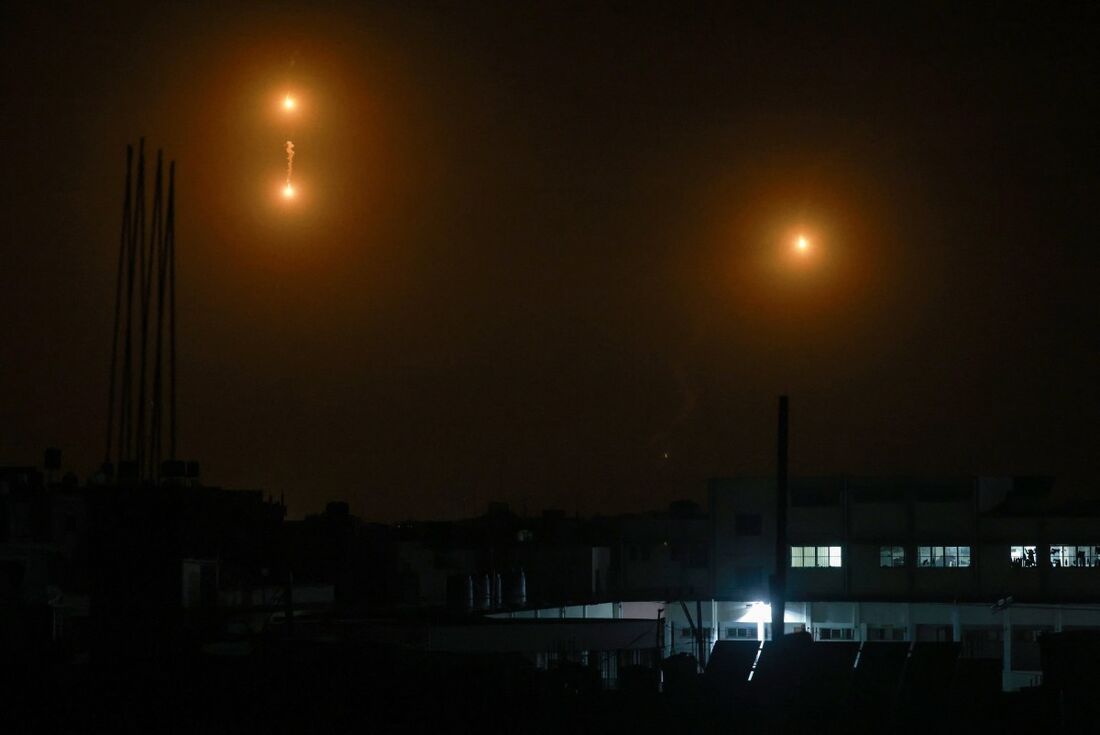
(116, 565)
(503, 561)
(988, 562)
(663, 555)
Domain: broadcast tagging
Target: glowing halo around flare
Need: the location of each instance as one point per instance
(288, 103)
(288, 192)
(802, 245)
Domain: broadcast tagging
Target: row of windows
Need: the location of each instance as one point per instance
(927, 556)
(749, 632)
(1060, 556)
(947, 556)
(889, 556)
(1021, 556)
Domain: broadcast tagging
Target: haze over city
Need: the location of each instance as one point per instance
(540, 253)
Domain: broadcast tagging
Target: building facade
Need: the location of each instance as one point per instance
(990, 563)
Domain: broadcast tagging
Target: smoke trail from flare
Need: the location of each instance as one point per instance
(289, 162)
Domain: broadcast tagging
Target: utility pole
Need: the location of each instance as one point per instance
(779, 579)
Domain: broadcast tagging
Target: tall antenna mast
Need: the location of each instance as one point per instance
(152, 264)
(148, 258)
(170, 248)
(159, 241)
(122, 242)
(137, 226)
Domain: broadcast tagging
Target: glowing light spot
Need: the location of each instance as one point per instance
(289, 103)
(802, 244)
(288, 191)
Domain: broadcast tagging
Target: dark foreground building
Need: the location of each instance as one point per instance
(911, 604)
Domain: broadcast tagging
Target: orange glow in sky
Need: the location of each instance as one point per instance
(802, 244)
(289, 103)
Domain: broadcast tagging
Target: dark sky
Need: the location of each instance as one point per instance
(539, 246)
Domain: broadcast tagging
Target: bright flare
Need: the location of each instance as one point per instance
(802, 244)
(288, 191)
(288, 103)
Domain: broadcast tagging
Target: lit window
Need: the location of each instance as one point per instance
(816, 556)
(891, 556)
(943, 556)
(1022, 556)
(1074, 556)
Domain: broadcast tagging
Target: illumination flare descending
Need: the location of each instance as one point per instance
(289, 190)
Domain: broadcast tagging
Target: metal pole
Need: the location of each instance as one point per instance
(158, 350)
(118, 304)
(133, 239)
(170, 248)
(148, 256)
(779, 579)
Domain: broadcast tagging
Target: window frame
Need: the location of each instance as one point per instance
(816, 557)
(1017, 556)
(1089, 553)
(944, 557)
(891, 557)
(741, 633)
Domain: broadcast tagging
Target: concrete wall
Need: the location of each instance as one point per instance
(741, 564)
(879, 520)
(665, 556)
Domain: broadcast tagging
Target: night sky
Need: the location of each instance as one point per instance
(541, 252)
